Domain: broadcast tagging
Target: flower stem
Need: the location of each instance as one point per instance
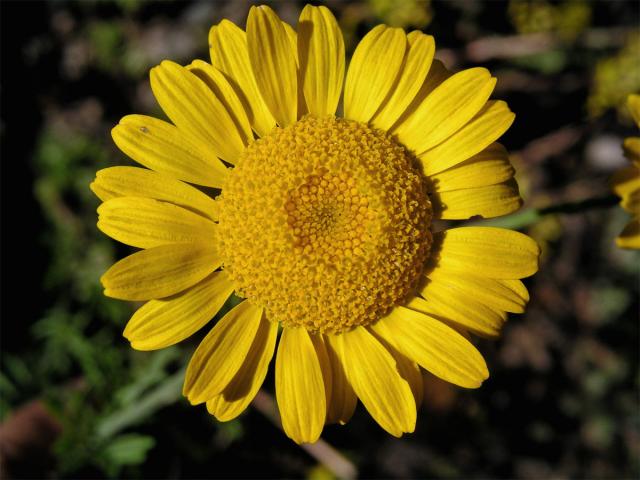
(529, 216)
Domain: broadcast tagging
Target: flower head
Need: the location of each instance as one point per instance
(324, 225)
(626, 182)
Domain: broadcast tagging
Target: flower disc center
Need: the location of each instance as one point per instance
(325, 224)
(328, 215)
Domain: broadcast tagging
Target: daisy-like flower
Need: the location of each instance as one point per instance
(324, 224)
(626, 182)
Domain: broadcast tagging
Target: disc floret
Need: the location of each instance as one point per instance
(325, 224)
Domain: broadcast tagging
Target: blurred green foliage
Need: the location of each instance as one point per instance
(403, 13)
(79, 362)
(615, 78)
(566, 19)
(93, 383)
(107, 41)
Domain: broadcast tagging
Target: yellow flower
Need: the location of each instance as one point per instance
(615, 77)
(566, 19)
(626, 182)
(324, 223)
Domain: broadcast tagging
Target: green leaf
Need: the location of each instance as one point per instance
(166, 393)
(151, 373)
(129, 449)
(549, 62)
(17, 369)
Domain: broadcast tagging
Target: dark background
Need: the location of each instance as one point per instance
(77, 402)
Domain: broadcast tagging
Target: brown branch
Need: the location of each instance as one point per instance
(512, 46)
(554, 143)
(321, 450)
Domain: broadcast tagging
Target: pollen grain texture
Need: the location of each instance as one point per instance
(325, 224)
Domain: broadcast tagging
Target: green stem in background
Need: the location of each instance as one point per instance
(166, 393)
(528, 217)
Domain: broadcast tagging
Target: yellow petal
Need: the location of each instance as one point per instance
(325, 365)
(321, 54)
(300, 388)
(225, 93)
(343, 398)
(373, 70)
(507, 295)
(434, 346)
(114, 182)
(221, 353)
(146, 223)
(489, 167)
(447, 109)
(633, 102)
(492, 121)
(408, 369)
(273, 62)
(446, 303)
(194, 109)
(626, 181)
(235, 398)
(518, 288)
(160, 146)
(630, 236)
(631, 148)
(413, 73)
(372, 372)
(487, 202)
(496, 252)
(160, 271)
(631, 203)
(293, 40)
(230, 55)
(437, 74)
(466, 302)
(160, 323)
